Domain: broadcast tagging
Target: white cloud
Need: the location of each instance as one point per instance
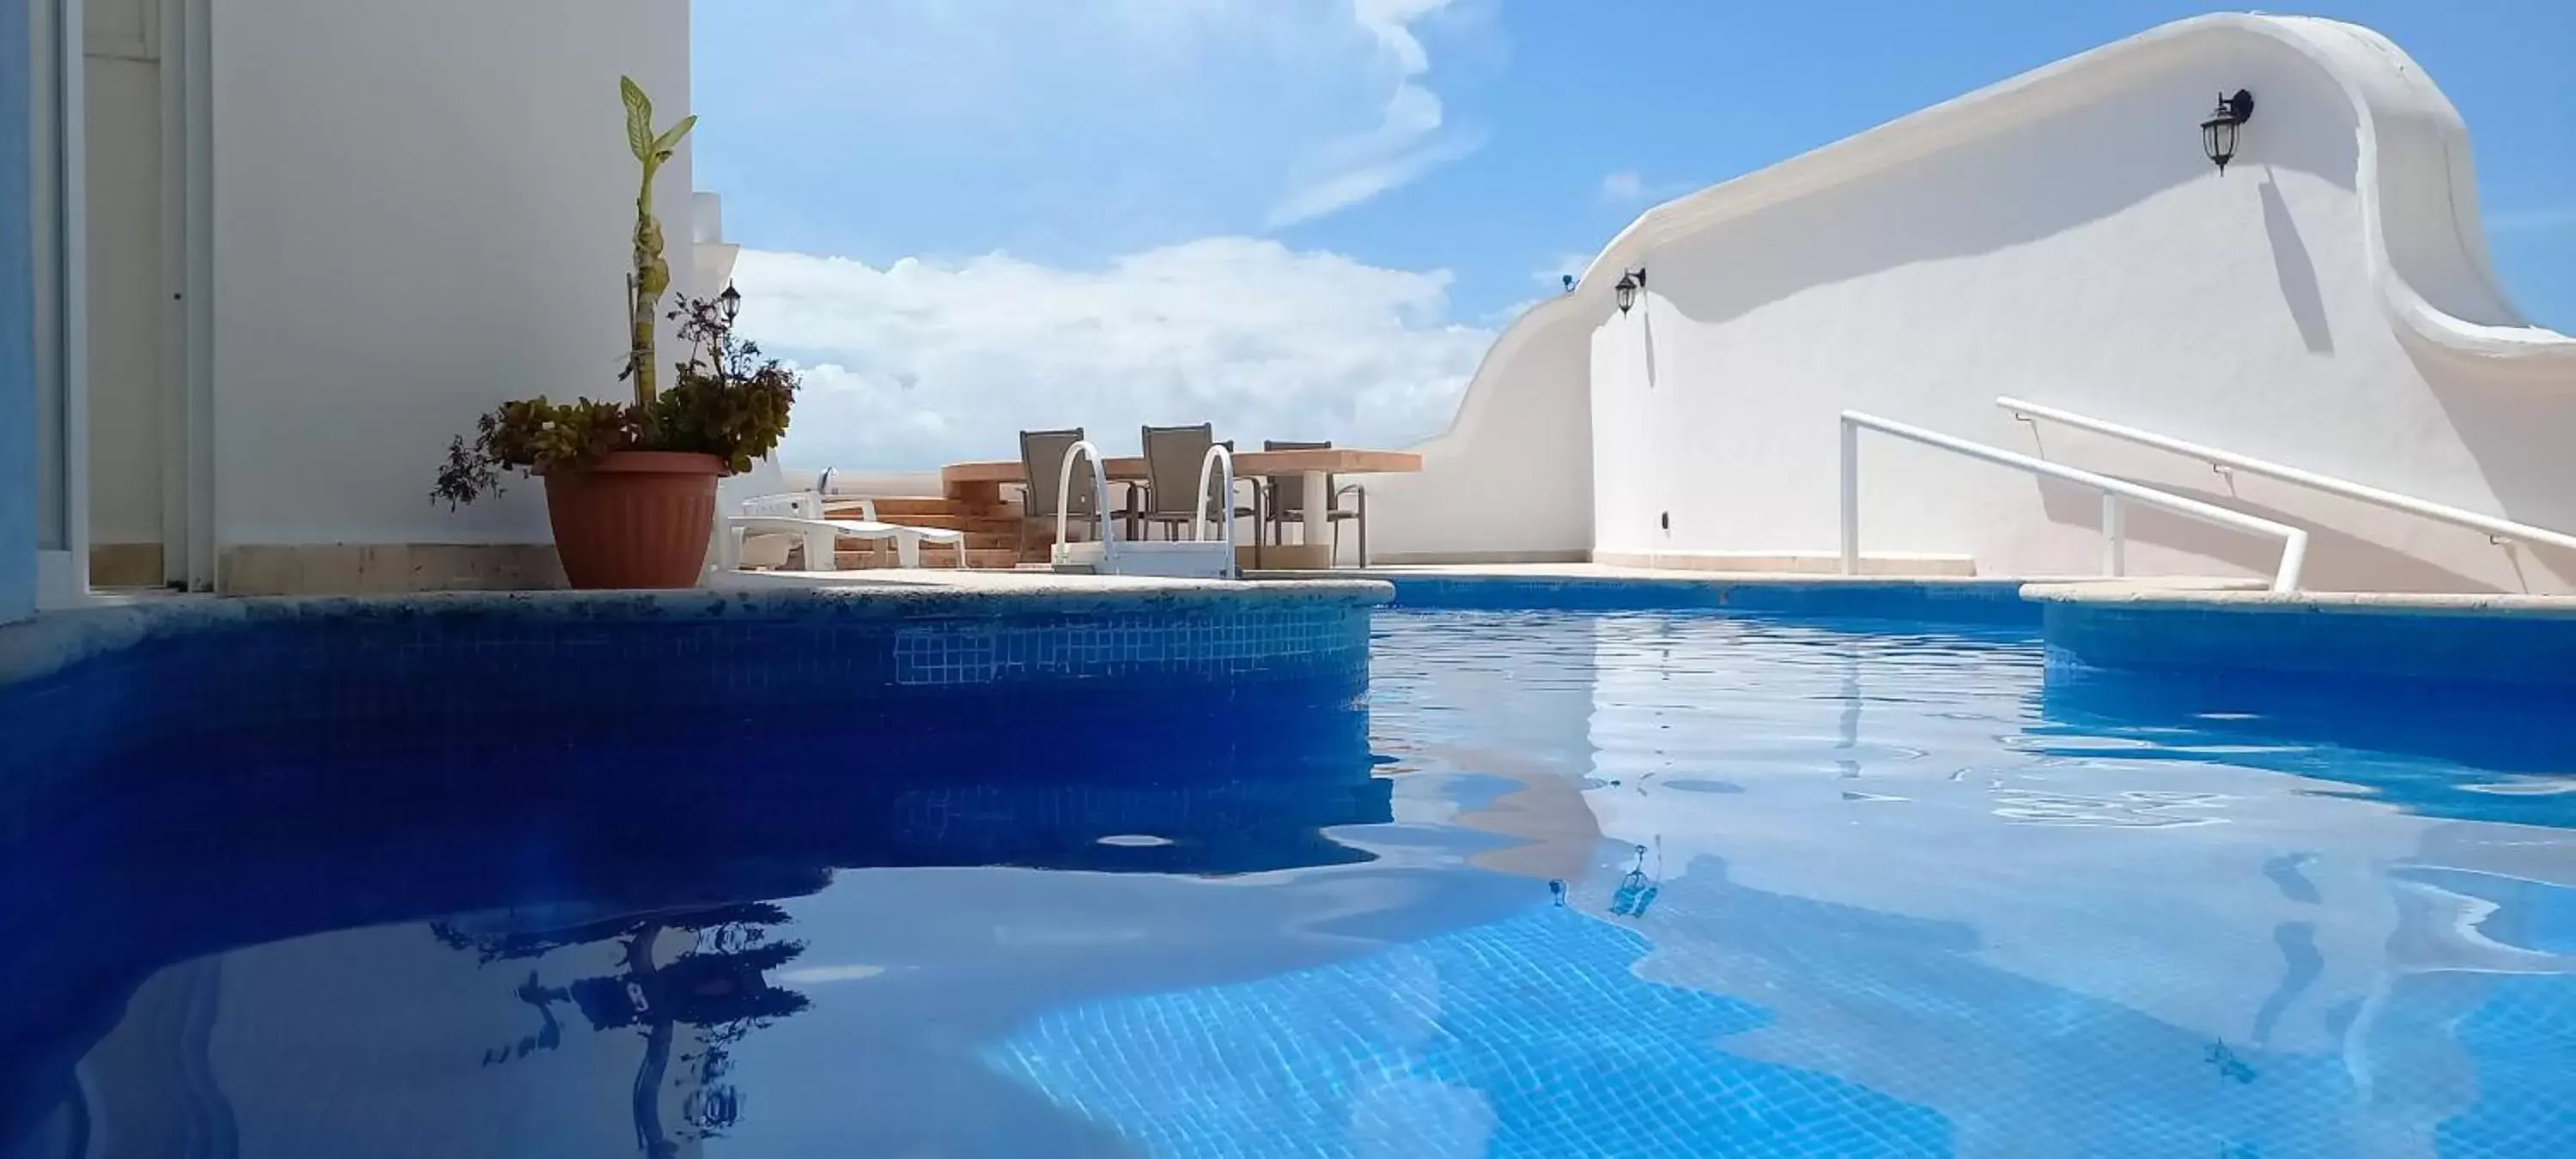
(1355, 185)
(1391, 22)
(922, 363)
(1503, 316)
(1073, 130)
(1408, 141)
(1627, 187)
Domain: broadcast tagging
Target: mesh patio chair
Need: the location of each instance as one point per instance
(1284, 500)
(1042, 455)
(1173, 459)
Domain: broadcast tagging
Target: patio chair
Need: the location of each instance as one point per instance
(800, 514)
(1285, 500)
(1174, 457)
(1042, 455)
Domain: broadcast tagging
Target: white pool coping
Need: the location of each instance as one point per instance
(2166, 594)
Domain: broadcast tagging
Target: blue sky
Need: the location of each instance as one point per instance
(1307, 218)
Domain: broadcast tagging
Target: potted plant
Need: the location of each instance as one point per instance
(631, 487)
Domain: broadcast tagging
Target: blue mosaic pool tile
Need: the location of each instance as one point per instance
(1530, 1038)
(1996, 603)
(349, 677)
(2530, 1021)
(959, 651)
(2460, 653)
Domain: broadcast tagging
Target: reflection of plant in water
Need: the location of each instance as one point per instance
(499, 947)
(719, 985)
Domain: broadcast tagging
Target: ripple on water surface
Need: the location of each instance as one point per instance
(1598, 884)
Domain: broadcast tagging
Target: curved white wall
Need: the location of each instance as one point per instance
(2325, 303)
(1511, 479)
(418, 214)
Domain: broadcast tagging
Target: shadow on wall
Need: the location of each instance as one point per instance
(2337, 560)
(1646, 322)
(2297, 270)
(2519, 432)
(1857, 228)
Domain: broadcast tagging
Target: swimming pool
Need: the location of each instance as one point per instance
(1621, 883)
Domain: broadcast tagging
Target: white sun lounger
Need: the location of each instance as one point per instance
(802, 515)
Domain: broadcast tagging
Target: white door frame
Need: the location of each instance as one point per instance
(179, 39)
(187, 219)
(62, 569)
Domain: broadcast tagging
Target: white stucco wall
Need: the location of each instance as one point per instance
(715, 255)
(2325, 303)
(1511, 479)
(416, 216)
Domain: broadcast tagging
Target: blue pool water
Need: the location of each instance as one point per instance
(1611, 883)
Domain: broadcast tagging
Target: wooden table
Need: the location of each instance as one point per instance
(983, 482)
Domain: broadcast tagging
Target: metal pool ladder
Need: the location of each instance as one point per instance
(1208, 555)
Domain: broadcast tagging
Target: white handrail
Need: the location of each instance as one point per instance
(2294, 541)
(1081, 449)
(1216, 456)
(2498, 529)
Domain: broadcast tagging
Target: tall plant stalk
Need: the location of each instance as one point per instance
(651, 277)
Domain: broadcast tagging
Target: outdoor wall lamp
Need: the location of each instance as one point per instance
(1629, 283)
(2218, 133)
(731, 300)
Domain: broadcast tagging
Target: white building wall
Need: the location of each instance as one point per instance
(417, 215)
(1511, 479)
(2325, 303)
(2063, 240)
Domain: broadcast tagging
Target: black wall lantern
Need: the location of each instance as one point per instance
(731, 301)
(2218, 133)
(1629, 283)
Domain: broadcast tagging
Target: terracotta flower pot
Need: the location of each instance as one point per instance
(638, 519)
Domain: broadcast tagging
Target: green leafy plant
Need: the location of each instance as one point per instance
(651, 277)
(528, 434)
(725, 399)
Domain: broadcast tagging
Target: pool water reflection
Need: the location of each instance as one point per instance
(1622, 884)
